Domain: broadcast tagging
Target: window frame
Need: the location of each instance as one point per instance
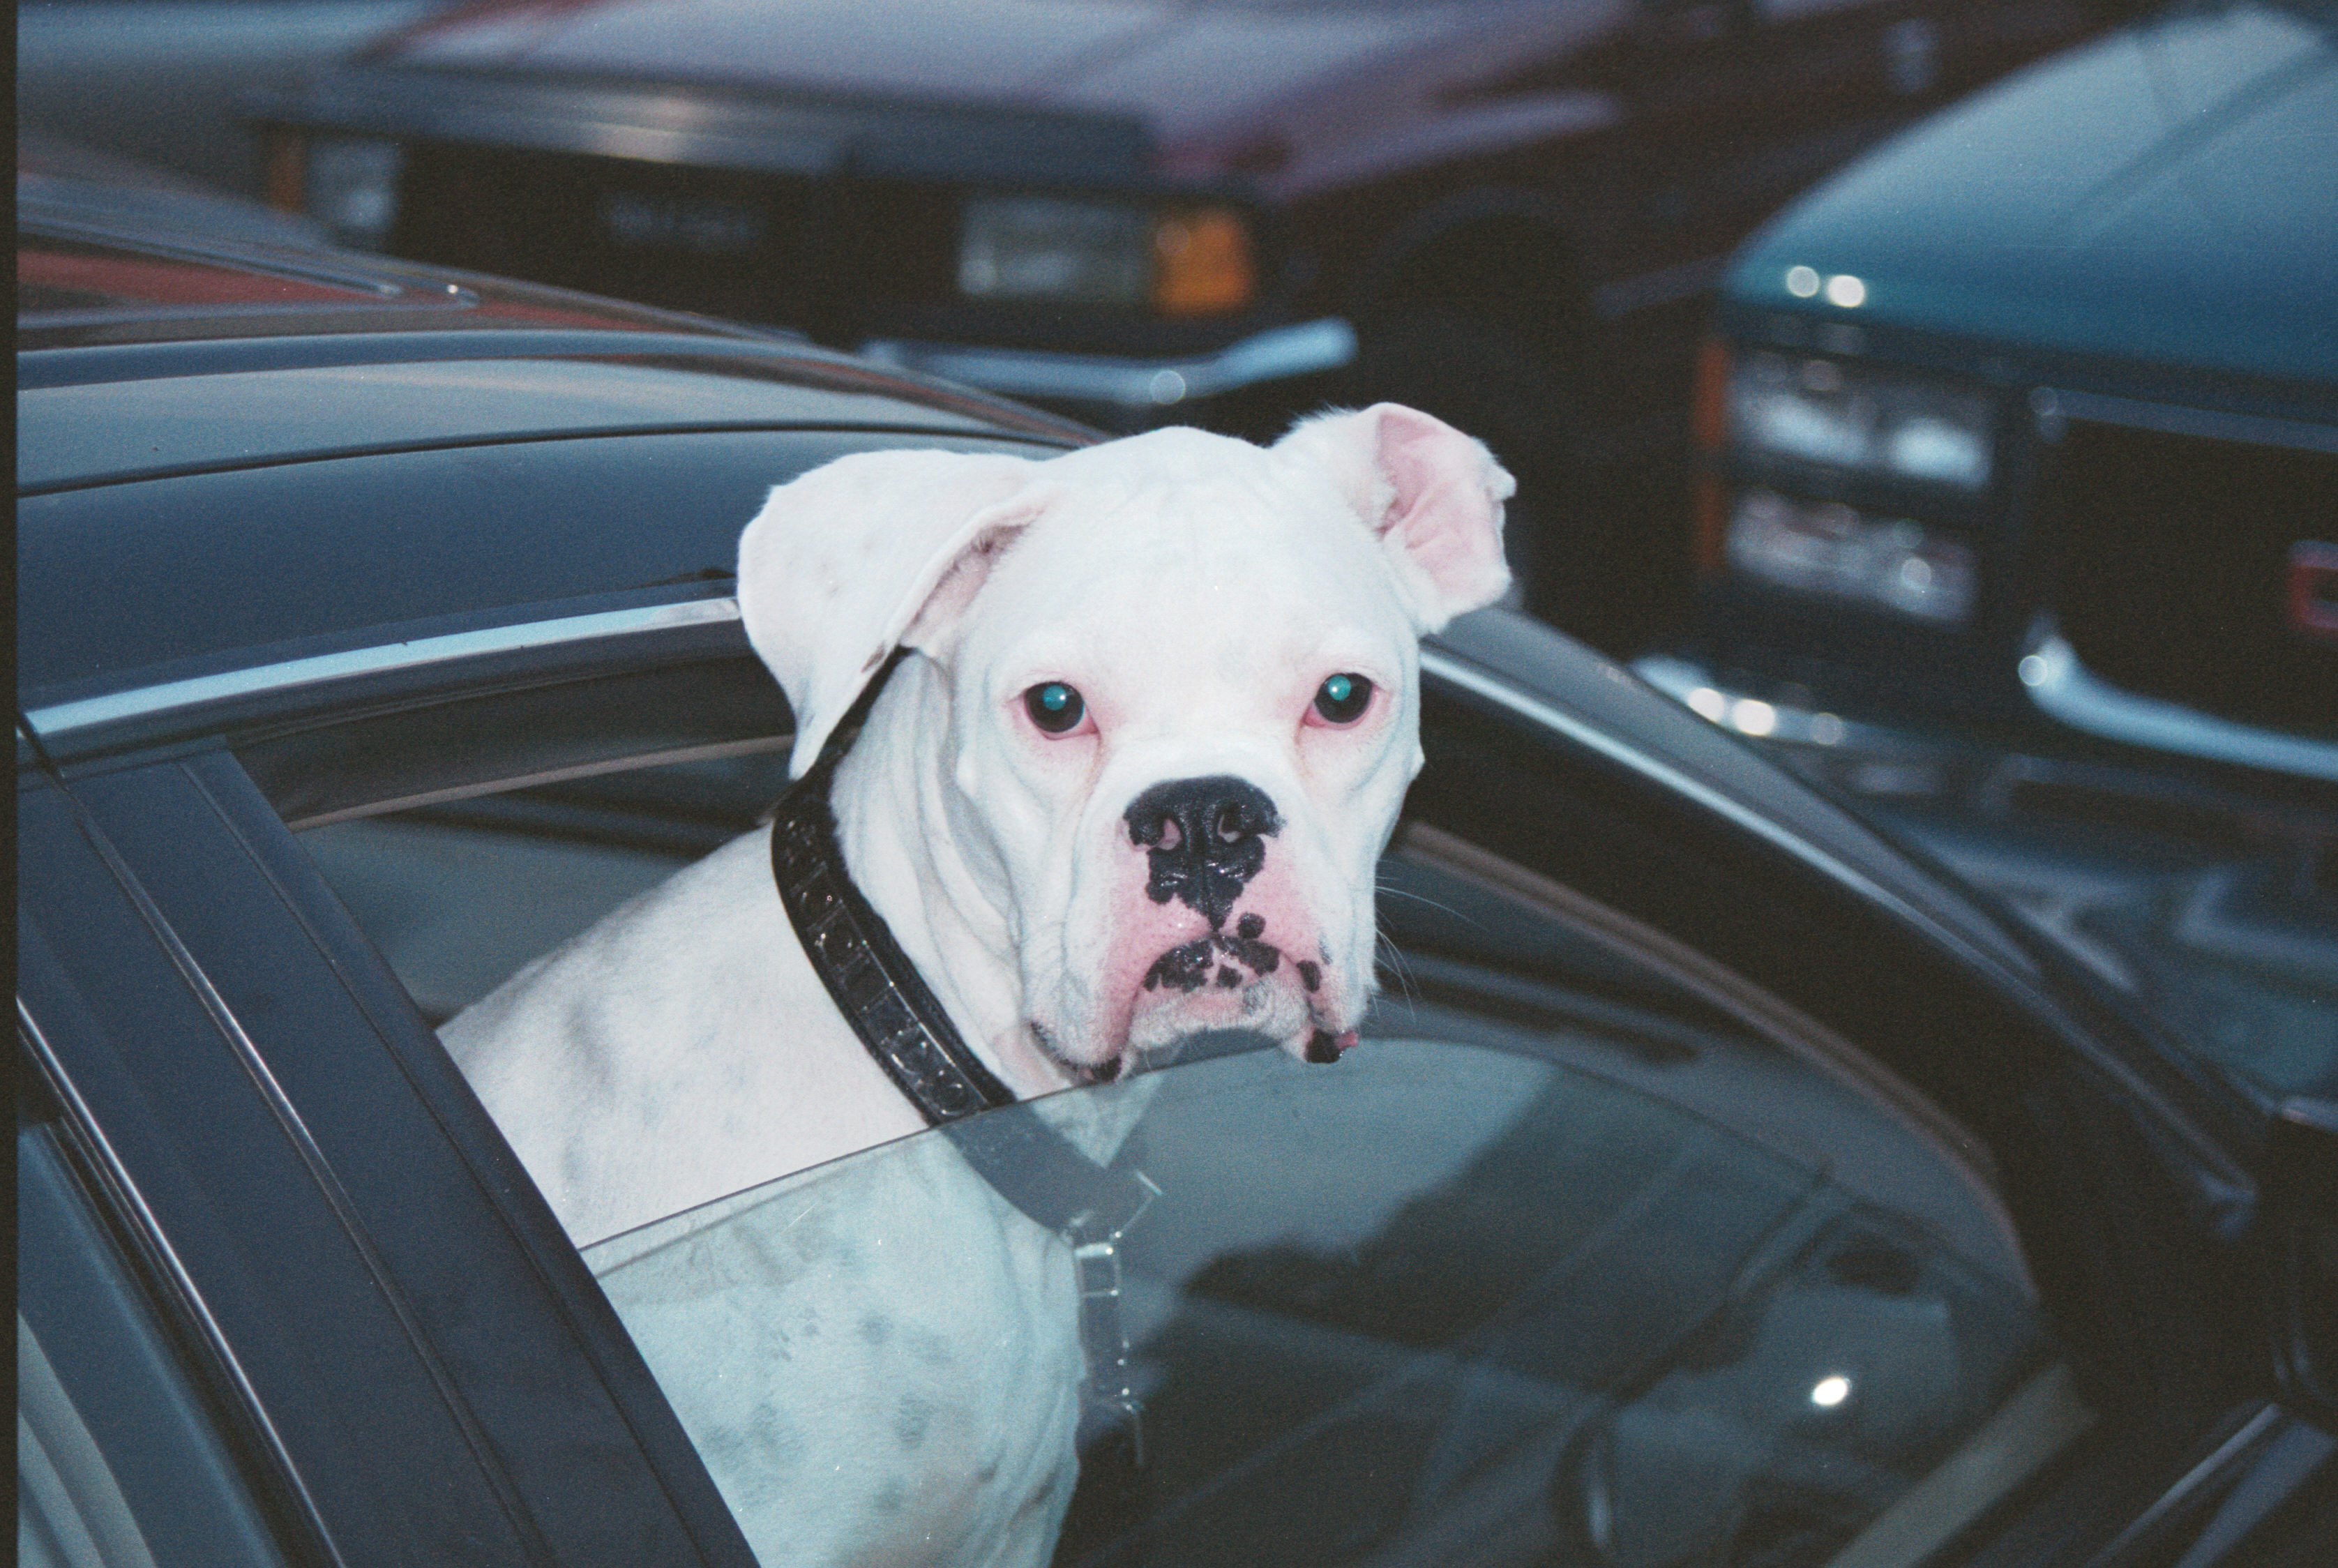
(107, 1344)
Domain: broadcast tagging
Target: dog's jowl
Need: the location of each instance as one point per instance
(1157, 715)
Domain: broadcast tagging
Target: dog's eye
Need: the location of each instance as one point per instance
(1343, 699)
(1055, 707)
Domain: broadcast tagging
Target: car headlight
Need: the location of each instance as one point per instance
(1822, 411)
(1187, 262)
(350, 185)
(1889, 564)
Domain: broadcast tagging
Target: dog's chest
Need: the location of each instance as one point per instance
(881, 1357)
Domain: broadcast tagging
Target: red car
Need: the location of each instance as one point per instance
(1509, 211)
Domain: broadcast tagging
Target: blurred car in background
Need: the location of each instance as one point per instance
(1509, 213)
(2022, 503)
(1714, 1184)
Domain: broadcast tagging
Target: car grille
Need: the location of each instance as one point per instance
(754, 247)
(2182, 564)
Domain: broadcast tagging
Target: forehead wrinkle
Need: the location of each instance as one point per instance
(1137, 539)
(1149, 569)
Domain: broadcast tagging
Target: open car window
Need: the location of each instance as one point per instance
(459, 896)
(1590, 1253)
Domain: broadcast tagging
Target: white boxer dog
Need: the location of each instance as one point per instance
(1131, 783)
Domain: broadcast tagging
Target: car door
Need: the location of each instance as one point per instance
(229, 982)
(363, 873)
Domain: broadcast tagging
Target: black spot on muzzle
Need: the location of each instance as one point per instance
(1205, 839)
(1187, 967)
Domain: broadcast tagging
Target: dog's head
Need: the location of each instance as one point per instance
(1166, 706)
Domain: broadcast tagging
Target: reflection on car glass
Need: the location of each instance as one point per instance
(1569, 1262)
(459, 896)
(1538, 1274)
(1451, 1302)
(1453, 935)
(2240, 962)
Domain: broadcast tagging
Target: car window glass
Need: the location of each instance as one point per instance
(1581, 1257)
(1547, 1270)
(119, 1462)
(459, 896)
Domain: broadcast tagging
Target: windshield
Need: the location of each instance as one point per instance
(1564, 1264)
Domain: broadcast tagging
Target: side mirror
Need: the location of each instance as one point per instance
(2300, 1189)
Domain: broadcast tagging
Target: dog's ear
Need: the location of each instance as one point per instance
(861, 556)
(1432, 495)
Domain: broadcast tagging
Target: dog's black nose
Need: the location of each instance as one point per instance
(1205, 839)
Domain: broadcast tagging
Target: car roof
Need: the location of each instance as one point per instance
(144, 351)
(95, 268)
(224, 447)
(109, 304)
(118, 413)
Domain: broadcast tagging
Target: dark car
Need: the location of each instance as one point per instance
(2023, 501)
(2017, 440)
(1509, 213)
(1714, 1184)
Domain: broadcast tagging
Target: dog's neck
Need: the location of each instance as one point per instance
(907, 851)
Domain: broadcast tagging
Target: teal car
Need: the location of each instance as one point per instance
(2027, 426)
(2016, 520)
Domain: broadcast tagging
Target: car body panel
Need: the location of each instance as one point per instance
(1185, 72)
(759, 132)
(2184, 218)
(319, 1422)
(302, 415)
(408, 1335)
